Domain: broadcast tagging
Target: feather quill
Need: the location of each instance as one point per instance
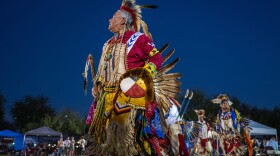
(164, 100)
(146, 30)
(174, 89)
(160, 102)
(148, 6)
(168, 77)
(166, 57)
(168, 67)
(172, 83)
(162, 49)
(167, 93)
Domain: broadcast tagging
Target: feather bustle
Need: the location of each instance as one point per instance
(167, 93)
(159, 101)
(167, 77)
(164, 101)
(173, 83)
(174, 89)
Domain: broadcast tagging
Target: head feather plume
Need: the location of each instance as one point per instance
(135, 11)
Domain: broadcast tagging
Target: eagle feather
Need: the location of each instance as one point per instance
(166, 57)
(168, 67)
(164, 48)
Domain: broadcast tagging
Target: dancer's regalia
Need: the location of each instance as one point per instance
(135, 93)
(203, 145)
(232, 129)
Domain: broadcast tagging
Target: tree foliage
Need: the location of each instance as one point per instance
(34, 112)
(67, 122)
(27, 113)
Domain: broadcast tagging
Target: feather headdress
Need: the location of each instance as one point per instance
(200, 112)
(135, 11)
(221, 98)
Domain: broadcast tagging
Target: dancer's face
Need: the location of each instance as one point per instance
(225, 106)
(116, 23)
(200, 118)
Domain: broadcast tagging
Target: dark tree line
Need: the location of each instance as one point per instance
(30, 110)
(3, 123)
(34, 112)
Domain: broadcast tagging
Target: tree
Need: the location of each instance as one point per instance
(73, 124)
(198, 101)
(28, 112)
(67, 122)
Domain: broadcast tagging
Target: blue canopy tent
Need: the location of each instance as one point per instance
(18, 139)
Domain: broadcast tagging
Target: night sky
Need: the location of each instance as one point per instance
(230, 46)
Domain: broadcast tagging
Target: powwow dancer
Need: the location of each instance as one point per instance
(203, 145)
(182, 133)
(232, 129)
(132, 91)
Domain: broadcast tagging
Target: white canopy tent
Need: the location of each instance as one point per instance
(260, 129)
(44, 131)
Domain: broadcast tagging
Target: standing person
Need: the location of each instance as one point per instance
(255, 145)
(59, 146)
(128, 109)
(67, 143)
(263, 144)
(82, 143)
(231, 128)
(72, 146)
(255, 142)
(272, 143)
(203, 145)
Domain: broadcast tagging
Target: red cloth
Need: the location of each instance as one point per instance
(203, 142)
(150, 110)
(155, 143)
(182, 146)
(139, 53)
(214, 144)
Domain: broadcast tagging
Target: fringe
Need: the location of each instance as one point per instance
(119, 140)
(97, 123)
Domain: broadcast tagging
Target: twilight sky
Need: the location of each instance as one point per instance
(228, 46)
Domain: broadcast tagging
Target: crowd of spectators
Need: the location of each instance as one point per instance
(70, 147)
(262, 146)
(67, 147)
